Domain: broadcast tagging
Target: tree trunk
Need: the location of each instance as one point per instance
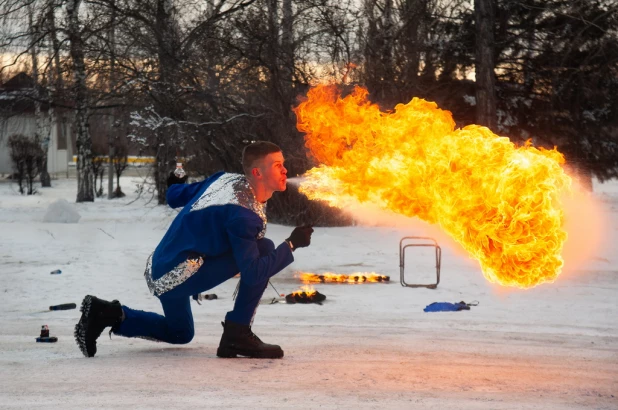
(166, 140)
(386, 52)
(379, 68)
(85, 177)
(55, 88)
(412, 15)
(287, 53)
(484, 11)
(371, 46)
(112, 84)
(273, 54)
(42, 122)
(51, 21)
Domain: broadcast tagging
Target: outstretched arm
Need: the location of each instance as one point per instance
(180, 194)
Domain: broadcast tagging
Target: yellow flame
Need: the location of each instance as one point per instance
(306, 289)
(499, 201)
(356, 277)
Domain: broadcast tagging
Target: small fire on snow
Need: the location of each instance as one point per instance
(306, 290)
(329, 277)
(306, 294)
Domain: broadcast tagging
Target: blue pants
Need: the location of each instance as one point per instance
(176, 325)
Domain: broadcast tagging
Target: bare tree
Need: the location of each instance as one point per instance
(43, 125)
(55, 82)
(23, 43)
(26, 156)
(85, 176)
(287, 51)
(120, 163)
(112, 84)
(412, 44)
(170, 45)
(379, 45)
(99, 150)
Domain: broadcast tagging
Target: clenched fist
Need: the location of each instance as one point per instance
(300, 237)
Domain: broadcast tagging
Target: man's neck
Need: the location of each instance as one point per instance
(260, 192)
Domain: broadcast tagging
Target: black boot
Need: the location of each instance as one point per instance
(239, 340)
(97, 314)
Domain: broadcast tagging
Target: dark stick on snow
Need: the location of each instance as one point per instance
(64, 306)
(106, 233)
(51, 234)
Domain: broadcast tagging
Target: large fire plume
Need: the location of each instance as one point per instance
(499, 201)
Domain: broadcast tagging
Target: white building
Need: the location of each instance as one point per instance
(17, 117)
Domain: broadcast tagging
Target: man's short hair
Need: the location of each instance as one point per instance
(256, 151)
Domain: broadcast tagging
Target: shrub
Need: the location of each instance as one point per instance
(120, 163)
(27, 156)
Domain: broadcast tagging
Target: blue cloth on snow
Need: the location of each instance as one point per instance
(446, 307)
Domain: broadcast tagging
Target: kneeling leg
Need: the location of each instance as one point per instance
(176, 326)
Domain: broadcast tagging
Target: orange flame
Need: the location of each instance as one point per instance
(306, 289)
(356, 277)
(499, 201)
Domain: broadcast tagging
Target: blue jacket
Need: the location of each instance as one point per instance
(220, 215)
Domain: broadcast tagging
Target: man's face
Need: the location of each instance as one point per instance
(274, 174)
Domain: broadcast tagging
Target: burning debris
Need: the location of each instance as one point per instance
(329, 277)
(500, 201)
(305, 295)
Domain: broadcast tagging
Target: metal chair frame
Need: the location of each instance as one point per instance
(421, 241)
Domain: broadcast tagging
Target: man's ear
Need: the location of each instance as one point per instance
(255, 172)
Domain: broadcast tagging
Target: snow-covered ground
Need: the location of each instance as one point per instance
(367, 346)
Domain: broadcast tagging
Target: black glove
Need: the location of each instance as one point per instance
(173, 179)
(300, 237)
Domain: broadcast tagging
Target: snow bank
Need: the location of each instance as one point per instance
(61, 211)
